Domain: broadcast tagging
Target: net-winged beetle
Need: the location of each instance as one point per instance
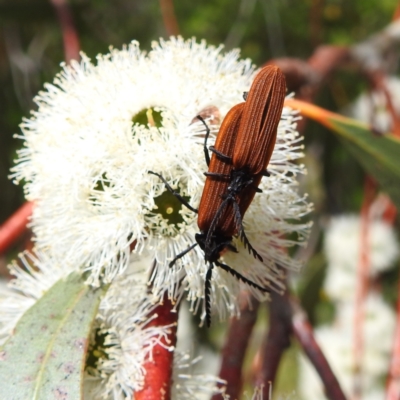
(241, 153)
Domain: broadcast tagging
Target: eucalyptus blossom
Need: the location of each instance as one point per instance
(98, 130)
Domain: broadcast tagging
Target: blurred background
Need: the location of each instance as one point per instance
(31, 50)
(32, 37)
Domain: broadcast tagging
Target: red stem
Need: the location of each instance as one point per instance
(278, 339)
(393, 381)
(158, 379)
(70, 37)
(396, 14)
(316, 21)
(304, 334)
(234, 351)
(390, 213)
(15, 226)
(379, 84)
(169, 18)
(362, 286)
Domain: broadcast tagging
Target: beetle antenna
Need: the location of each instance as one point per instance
(206, 153)
(180, 255)
(176, 194)
(216, 219)
(240, 277)
(207, 294)
(242, 234)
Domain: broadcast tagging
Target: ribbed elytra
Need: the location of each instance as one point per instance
(261, 115)
(214, 186)
(253, 146)
(255, 140)
(242, 151)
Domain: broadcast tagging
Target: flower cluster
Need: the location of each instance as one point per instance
(342, 249)
(88, 149)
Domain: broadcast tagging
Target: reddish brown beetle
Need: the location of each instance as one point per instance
(255, 141)
(212, 200)
(242, 151)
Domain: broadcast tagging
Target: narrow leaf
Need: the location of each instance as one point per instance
(44, 358)
(379, 155)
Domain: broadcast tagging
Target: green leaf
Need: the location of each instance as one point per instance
(44, 358)
(378, 154)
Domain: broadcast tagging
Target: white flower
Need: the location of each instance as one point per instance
(122, 322)
(88, 152)
(373, 108)
(342, 249)
(189, 384)
(121, 337)
(336, 343)
(121, 319)
(194, 375)
(343, 241)
(340, 283)
(378, 330)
